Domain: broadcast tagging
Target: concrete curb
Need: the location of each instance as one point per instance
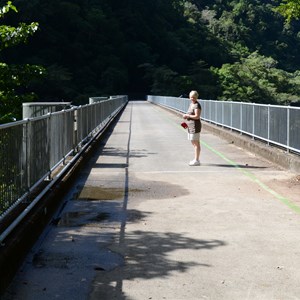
(278, 156)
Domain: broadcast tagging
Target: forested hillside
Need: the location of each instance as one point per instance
(239, 50)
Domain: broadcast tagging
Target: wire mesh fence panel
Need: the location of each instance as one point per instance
(261, 121)
(12, 166)
(278, 125)
(236, 116)
(247, 118)
(227, 113)
(61, 128)
(294, 128)
(38, 149)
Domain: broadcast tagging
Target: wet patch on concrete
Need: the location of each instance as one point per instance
(104, 260)
(111, 165)
(52, 260)
(108, 202)
(154, 190)
(100, 193)
(150, 190)
(82, 218)
(138, 189)
(92, 218)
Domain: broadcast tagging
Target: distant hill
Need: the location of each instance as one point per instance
(167, 47)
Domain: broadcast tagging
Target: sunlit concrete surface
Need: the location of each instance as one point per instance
(139, 223)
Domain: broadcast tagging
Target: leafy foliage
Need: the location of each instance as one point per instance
(15, 79)
(290, 9)
(265, 50)
(256, 79)
(105, 46)
(236, 49)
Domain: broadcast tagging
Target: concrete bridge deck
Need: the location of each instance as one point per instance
(139, 223)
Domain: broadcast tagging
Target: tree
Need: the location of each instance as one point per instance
(15, 80)
(290, 9)
(163, 46)
(101, 46)
(256, 78)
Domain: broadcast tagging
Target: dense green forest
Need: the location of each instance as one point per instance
(241, 50)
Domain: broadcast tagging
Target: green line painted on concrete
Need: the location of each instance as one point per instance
(284, 200)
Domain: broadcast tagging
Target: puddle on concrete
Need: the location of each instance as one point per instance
(93, 193)
(139, 190)
(80, 218)
(54, 260)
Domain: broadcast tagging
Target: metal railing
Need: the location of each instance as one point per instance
(37, 109)
(275, 124)
(32, 149)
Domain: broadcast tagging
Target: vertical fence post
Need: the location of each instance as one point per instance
(210, 109)
(241, 118)
(222, 103)
(25, 162)
(28, 152)
(231, 115)
(75, 131)
(268, 142)
(49, 142)
(253, 120)
(288, 129)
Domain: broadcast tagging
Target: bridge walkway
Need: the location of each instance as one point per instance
(139, 223)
